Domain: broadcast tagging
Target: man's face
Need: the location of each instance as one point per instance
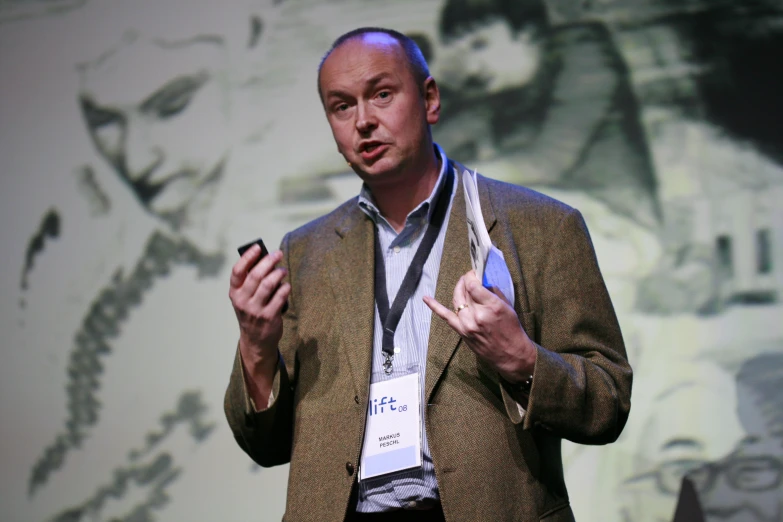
(488, 60)
(746, 486)
(690, 425)
(158, 115)
(379, 117)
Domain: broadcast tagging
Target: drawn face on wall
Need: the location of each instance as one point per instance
(157, 112)
(691, 424)
(488, 59)
(747, 485)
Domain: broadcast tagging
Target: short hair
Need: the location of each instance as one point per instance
(460, 17)
(763, 375)
(417, 64)
(425, 45)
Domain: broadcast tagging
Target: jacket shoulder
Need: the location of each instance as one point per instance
(515, 200)
(324, 228)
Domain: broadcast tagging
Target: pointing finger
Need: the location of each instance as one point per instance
(444, 313)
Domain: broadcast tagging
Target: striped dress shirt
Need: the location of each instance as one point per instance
(409, 488)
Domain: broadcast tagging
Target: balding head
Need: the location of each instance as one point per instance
(380, 36)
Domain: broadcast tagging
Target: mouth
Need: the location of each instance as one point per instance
(372, 150)
(147, 189)
(476, 82)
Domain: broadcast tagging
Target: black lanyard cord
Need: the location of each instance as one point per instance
(390, 318)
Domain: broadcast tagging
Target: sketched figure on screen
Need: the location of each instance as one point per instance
(157, 105)
(149, 136)
(678, 436)
(543, 106)
(747, 484)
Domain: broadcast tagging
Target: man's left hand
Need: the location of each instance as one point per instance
(490, 327)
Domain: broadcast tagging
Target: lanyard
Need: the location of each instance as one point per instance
(390, 318)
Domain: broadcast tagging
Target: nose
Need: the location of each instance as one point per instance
(722, 500)
(141, 156)
(366, 121)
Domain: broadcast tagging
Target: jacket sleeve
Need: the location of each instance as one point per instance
(265, 434)
(581, 388)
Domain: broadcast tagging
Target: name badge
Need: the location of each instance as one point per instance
(392, 437)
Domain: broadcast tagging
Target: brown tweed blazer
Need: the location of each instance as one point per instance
(491, 463)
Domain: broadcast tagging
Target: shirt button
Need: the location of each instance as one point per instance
(397, 249)
(412, 504)
(349, 468)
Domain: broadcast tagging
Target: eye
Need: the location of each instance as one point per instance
(174, 97)
(342, 107)
(173, 106)
(98, 117)
(478, 44)
(384, 94)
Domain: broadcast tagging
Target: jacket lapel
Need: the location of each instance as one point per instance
(353, 286)
(443, 340)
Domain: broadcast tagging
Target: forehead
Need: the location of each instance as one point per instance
(363, 58)
(115, 79)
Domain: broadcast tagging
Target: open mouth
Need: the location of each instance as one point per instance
(147, 190)
(371, 151)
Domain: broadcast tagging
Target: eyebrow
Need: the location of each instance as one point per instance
(678, 443)
(372, 82)
(750, 439)
(202, 38)
(96, 114)
(177, 86)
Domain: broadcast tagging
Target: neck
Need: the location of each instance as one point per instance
(398, 198)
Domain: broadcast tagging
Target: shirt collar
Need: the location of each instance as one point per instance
(367, 204)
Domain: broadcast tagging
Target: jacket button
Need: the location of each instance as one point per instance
(356, 399)
(349, 468)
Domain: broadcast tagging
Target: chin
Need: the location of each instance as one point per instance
(380, 169)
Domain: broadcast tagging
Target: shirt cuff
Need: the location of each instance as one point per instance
(520, 395)
(250, 404)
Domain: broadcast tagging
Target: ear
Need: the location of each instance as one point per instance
(431, 100)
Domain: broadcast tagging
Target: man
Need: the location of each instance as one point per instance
(155, 102)
(545, 106)
(169, 134)
(686, 425)
(500, 383)
(747, 484)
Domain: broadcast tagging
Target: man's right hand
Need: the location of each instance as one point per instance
(258, 295)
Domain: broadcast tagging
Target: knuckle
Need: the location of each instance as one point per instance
(242, 309)
(253, 276)
(267, 284)
(471, 329)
